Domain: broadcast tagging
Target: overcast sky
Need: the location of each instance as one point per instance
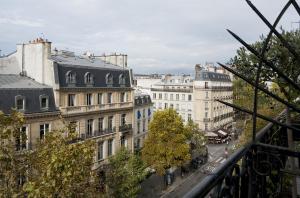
(158, 35)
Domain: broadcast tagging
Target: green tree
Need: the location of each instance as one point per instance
(197, 138)
(13, 163)
(167, 143)
(126, 172)
(61, 167)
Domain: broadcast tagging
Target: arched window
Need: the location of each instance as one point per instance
(88, 78)
(122, 79)
(109, 79)
(71, 77)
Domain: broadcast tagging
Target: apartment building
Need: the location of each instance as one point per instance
(194, 98)
(90, 92)
(143, 112)
(35, 101)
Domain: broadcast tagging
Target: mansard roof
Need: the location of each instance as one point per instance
(212, 76)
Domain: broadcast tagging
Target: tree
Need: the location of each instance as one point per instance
(197, 138)
(61, 167)
(167, 143)
(126, 172)
(13, 162)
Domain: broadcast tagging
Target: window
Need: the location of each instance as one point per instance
(100, 100)
(100, 151)
(100, 124)
(189, 117)
(144, 113)
(206, 94)
(190, 97)
(171, 96)
(109, 98)
(89, 98)
(20, 102)
(206, 126)
(159, 105)
(109, 79)
(121, 79)
(44, 128)
(123, 141)
(90, 127)
(166, 105)
(206, 114)
(138, 143)
(123, 119)
(171, 106)
(71, 100)
(183, 107)
(154, 95)
(160, 96)
(166, 96)
(183, 97)
(88, 78)
(177, 96)
(138, 126)
(44, 102)
(206, 105)
(122, 97)
(177, 106)
(21, 139)
(110, 123)
(109, 147)
(206, 85)
(144, 125)
(70, 77)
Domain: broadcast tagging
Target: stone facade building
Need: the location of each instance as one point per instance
(88, 91)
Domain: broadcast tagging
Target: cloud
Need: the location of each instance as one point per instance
(22, 22)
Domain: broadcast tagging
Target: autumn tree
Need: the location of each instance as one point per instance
(125, 173)
(13, 162)
(167, 143)
(197, 138)
(61, 167)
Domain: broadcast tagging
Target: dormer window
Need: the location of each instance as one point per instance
(20, 102)
(44, 102)
(88, 78)
(71, 77)
(122, 79)
(109, 79)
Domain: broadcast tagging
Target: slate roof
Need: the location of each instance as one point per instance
(212, 76)
(15, 85)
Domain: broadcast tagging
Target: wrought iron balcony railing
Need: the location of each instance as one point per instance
(125, 127)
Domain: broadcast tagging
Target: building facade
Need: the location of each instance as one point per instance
(143, 112)
(194, 99)
(94, 94)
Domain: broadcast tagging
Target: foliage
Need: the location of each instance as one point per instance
(12, 162)
(167, 142)
(246, 63)
(126, 172)
(60, 167)
(197, 138)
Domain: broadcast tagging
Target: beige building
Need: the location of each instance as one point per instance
(194, 99)
(89, 91)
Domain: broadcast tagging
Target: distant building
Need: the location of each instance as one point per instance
(92, 92)
(194, 99)
(143, 112)
(144, 82)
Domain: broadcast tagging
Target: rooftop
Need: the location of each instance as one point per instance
(12, 81)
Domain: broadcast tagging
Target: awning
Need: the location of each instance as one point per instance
(222, 132)
(210, 134)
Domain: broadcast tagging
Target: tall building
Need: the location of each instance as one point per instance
(143, 112)
(194, 98)
(90, 92)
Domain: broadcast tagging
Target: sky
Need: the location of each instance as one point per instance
(159, 36)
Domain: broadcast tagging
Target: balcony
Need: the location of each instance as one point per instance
(90, 108)
(99, 133)
(187, 90)
(125, 128)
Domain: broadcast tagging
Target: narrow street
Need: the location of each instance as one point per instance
(216, 157)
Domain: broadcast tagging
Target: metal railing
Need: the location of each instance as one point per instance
(125, 127)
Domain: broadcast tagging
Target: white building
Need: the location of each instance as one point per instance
(143, 112)
(144, 82)
(195, 98)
